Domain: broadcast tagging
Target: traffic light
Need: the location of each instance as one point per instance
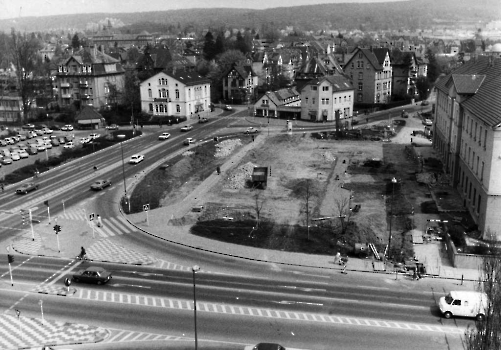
(24, 216)
(57, 229)
(10, 258)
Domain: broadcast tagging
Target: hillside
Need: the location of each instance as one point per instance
(373, 16)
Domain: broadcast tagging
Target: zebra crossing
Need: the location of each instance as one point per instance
(113, 226)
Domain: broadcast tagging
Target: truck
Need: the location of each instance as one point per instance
(464, 303)
(260, 176)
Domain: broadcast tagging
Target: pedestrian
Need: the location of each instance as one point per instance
(83, 253)
(218, 169)
(99, 222)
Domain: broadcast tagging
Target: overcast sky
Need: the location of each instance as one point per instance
(27, 8)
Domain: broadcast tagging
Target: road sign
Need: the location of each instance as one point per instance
(146, 207)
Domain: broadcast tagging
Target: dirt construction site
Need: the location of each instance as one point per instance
(342, 174)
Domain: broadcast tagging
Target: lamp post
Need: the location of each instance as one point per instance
(121, 137)
(195, 269)
(393, 182)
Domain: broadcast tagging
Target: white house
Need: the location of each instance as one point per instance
(324, 98)
(283, 103)
(182, 94)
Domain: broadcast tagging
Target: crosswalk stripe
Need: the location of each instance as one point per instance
(106, 231)
(119, 224)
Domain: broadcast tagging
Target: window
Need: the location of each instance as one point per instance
(178, 108)
(156, 108)
(189, 94)
(360, 55)
(177, 93)
(456, 302)
(360, 75)
(360, 86)
(359, 98)
(326, 101)
(151, 107)
(313, 100)
(325, 88)
(314, 88)
(149, 93)
(306, 99)
(161, 108)
(352, 64)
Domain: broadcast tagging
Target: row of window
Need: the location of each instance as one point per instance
(165, 92)
(325, 101)
(471, 192)
(473, 161)
(86, 68)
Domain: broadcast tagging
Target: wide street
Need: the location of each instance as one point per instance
(239, 302)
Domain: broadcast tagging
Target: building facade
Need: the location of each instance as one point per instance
(283, 103)
(370, 72)
(90, 77)
(179, 93)
(467, 135)
(11, 109)
(327, 99)
(239, 84)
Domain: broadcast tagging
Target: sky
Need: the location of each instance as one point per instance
(28, 8)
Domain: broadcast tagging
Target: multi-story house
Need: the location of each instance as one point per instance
(329, 98)
(11, 109)
(283, 103)
(179, 93)
(90, 77)
(239, 84)
(370, 72)
(468, 138)
(405, 73)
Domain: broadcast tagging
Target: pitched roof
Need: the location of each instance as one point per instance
(338, 82)
(482, 94)
(88, 113)
(466, 83)
(278, 97)
(188, 78)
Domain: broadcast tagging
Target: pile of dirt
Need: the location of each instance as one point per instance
(237, 177)
(226, 147)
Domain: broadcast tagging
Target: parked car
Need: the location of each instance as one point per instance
(23, 154)
(93, 274)
(94, 136)
(112, 127)
(9, 140)
(47, 145)
(164, 136)
(39, 132)
(100, 185)
(22, 137)
(69, 144)
(40, 147)
(32, 151)
(187, 128)
(47, 131)
(203, 120)
(6, 160)
(31, 134)
(136, 158)
(227, 108)
(67, 128)
(427, 122)
(15, 156)
(55, 127)
(3, 143)
(16, 138)
(189, 141)
(27, 187)
(61, 140)
(28, 127)
(54, 142)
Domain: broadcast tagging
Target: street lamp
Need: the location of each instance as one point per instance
(195, 269)
(121, 137)
(393, 182)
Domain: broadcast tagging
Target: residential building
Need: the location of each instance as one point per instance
(283, 103)
(370, 72)
(107, 39)
(11, 109)
(405, 73)
(467, 136)
(90, 77)
(328, 98)
(239, 84)
(179, 93)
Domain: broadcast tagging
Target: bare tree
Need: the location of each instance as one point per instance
(343, 211)
(258, 206)
(307, 190)
(24, 50)
(486, 334)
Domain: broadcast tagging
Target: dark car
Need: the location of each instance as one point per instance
(55, 127)
(265, 346)
(100, 185)
(28, 127)
(61, 140)
(93, 274)
(27, 187)
(31, 151)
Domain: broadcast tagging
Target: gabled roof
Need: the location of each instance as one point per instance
(88, 113)
(338, 82)
(278, 97)
(188, 78)
(242, 70)
(374, 56)
(482, 95)
(467, 83)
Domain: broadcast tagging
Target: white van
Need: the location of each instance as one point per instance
(464, 303)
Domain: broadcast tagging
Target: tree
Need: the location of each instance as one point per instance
(258, 207)
(486, 334)
(131, 93)
(209, 47)
(75, 42)
(24, 54)
(230, 57)
(423, 87)
(343, 212)
(433, 67)
(220, 45)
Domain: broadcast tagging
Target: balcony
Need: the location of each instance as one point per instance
(84, 84)
(65, 85)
